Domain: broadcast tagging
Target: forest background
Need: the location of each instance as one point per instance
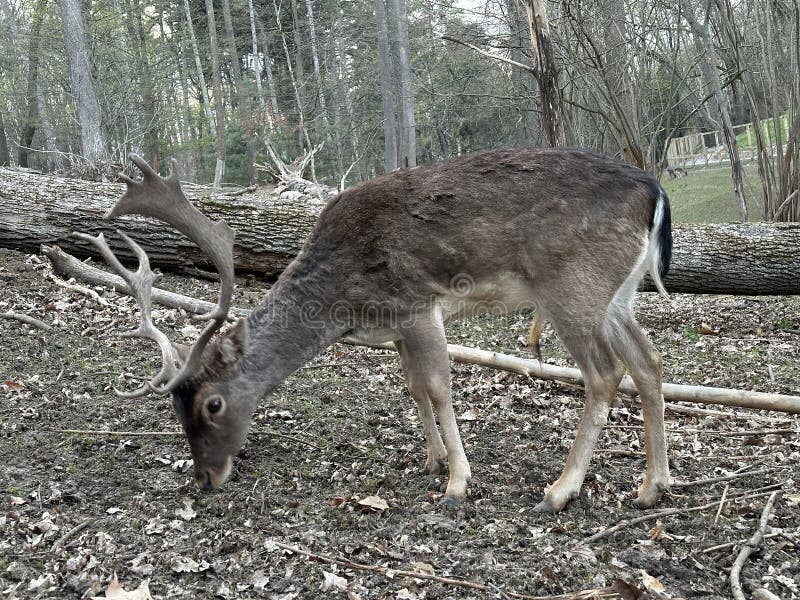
(391, 83)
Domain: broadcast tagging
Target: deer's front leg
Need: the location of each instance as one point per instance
(427, 369)
(434, 447)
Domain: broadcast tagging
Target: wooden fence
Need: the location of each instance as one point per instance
(700, 149)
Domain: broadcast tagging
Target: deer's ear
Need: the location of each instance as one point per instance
(231, 346)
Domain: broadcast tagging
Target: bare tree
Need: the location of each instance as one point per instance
(708, 67)
(387, 93)
(216, 82)
(245, 108)
(546, 74)
(407, 148)
(93, 145)
(32, 113)
(201, 78)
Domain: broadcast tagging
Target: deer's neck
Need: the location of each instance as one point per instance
(288, 329)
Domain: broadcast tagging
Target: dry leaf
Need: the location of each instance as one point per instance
(14, 386)
(117, 592)
(651, 583)
(468, 415)
(706, 329)
(331, 581)
(17, 501)
(187, 513)
(374, 503)
(657, 531)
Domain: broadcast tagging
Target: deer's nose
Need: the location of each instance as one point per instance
(204, 481)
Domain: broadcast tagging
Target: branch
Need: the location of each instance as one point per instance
(25, 319)
(529, 68)
(72, 267)
(752, 544)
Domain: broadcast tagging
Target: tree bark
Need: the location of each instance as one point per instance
(387, 95)
(408, 129)
(546, 74)
(245, 107)
(5, 159)
(199, 66)
(93, 145)
(748, 259)
(32, 114)
(216, 82)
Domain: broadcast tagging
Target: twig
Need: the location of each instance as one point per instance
(25, 319)
(71, 533)
(721, 503)
(726, 545)
(685, 484)
(393, 573)
(751, 545)
(78, 288)
(658, 514)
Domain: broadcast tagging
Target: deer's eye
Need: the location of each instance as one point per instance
(214, 405)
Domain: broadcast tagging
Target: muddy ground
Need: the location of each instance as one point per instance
(92, 485)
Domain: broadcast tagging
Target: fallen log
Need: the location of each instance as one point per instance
(69, 266)
(272, 225)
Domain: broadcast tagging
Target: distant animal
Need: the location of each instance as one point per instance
(676, 172)
(569, 233)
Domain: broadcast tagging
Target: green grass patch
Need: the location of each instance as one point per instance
(705, 195)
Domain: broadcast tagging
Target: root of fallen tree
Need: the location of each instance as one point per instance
(69, 266)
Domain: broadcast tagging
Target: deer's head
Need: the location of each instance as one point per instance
(213, 410)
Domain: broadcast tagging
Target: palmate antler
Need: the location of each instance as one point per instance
(162, 198)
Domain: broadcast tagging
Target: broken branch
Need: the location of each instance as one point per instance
(752, 544)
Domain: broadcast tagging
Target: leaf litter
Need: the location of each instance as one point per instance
(358, 494)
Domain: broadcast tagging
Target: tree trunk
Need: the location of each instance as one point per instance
(44, 209)
(216, 82)
(93, 143)
(387, 96)
(5, 159)
(546, 74)
(749, 259)
(32, 114)
(408, 129)
(199, 66)
(708, 66)
(256, 56)
(245, 108)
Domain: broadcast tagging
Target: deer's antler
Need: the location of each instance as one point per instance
(163, 198)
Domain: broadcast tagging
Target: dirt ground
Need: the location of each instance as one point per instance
(92, 485)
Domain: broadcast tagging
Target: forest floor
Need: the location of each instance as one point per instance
(92, 485)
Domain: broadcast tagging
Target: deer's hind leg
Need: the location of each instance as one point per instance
(644, 364)
(586, 341)
(427, 370)
(435, 450)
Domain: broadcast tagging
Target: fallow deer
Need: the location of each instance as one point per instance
(568, 233)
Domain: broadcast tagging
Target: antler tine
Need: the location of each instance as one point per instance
(141, 284)
(163, 198)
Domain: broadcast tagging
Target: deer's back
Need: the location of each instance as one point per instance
(504, 216)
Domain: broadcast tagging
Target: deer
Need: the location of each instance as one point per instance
(567, 233)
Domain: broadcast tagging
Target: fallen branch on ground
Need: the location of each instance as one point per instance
(752, 544)
(685, 484)
(25, 319)
(596, 594)
(667, 512)
(69, 266)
